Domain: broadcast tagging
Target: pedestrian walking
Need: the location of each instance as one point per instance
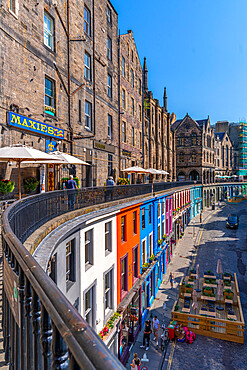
(156, 326)
(146, 335)
(201, 217)
(109, 191)
(71, 186)
(171, 278)
(136, 363)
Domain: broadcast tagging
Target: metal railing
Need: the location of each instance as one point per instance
(41, 329)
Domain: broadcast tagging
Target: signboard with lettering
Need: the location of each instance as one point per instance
(29, 124)
(10, 282)
(126, 152)
(105, 147)
(50, 146)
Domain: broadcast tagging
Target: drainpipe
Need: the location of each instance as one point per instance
(119, 107)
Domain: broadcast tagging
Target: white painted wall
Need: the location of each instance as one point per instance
(102, 263)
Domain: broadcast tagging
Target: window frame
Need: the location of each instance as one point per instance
(88, 116)
(87, 68)
(108, 237)
(109, 48)
(123, 67)
(143, 219)
(123, 229)
(135, 223)
(109, 86)
(133, 136)
(132, 78)
(52, 96)
(108, 15)
(123, 99)
(87, 22)
(144, 251)
(124, 287)
(132, 106)
(150, 214)
(109, 126)
(135, 263)
(109, 290)
(124, 134)
(89, 244)
(70, 261)
(51, 32)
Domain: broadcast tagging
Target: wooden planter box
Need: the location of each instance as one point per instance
(226, 294)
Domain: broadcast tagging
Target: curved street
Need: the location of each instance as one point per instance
(216, 241)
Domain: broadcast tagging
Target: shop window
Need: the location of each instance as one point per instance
(87, 72)
(50, 96)
(70, 261)
(108, 237)
(88, 248)
(48, 31)
(88, 115)
(144, 252)
(124, 276)
(89, 306)
(123, 229)
(159, 209)
(109, 48)
(140, 139)
(108, 291)
(109, 126)
(143, 218)
(109, 86)
(87, 21)
(135, 263)
(150, 244)
(150, 214)
(135, 222)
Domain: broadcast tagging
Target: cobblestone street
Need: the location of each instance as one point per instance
(230, 246)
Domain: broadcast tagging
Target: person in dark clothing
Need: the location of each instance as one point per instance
(146, 334)
(109, 192)
(71, 186)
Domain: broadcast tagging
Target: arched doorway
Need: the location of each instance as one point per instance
(194, 175)
(181, 176)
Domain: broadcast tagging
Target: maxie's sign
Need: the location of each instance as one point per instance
(29, 124)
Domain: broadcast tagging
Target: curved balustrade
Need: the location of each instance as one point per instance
(41, 329)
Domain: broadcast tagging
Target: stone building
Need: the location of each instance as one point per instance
(158, 139)
(223, 154)
(130, 103)
(59, 67)
(194, 141)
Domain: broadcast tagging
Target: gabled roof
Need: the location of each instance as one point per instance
(202, 122)
(176, 124)
(220, 135)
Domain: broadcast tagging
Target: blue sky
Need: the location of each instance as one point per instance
(197, 49)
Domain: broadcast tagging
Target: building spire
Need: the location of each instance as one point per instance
(165, 100)
(145, 76)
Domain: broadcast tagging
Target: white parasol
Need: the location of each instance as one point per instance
(20, 153)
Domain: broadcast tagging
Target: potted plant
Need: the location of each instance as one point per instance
(123, 181)
(188, 288)
(164, 237)
(145, 267)
(160, 241)
(6, 186)
(228, 294)
(208, 272)
(207, 290)
(30, 184)
(227, 276)
(151, 258)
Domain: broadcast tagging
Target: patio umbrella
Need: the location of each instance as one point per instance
(219, 267)
(20, 153)
(220, 294)
(153, 171)
(194, 304)
(164, 172)
(62, 158)
(135, 169)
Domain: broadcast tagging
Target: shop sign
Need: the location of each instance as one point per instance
(29, 124)
(50, 177)
(105, 147)
(127, 153)
(10, 282)
(50, 146)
